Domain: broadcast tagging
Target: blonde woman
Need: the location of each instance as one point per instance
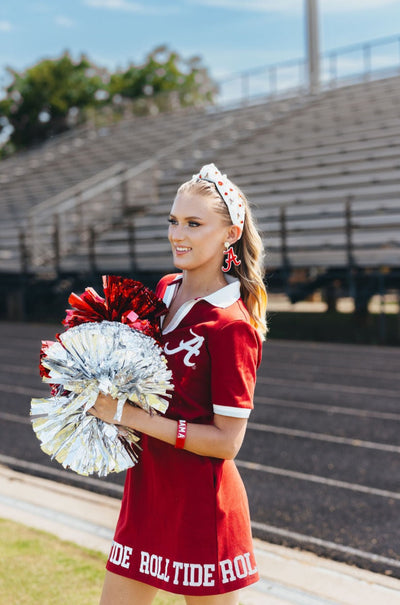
(184, 524)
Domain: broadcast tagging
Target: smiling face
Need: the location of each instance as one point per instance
(197, 233)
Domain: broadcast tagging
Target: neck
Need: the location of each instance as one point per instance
(197, 284)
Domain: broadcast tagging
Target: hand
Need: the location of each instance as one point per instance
(105, 408)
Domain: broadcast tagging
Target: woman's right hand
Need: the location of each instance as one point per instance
(105, 408)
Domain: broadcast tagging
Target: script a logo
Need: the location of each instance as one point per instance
(192, 347)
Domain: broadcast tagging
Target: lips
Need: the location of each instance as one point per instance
(182, 249)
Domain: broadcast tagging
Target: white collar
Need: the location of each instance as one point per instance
(224, 297)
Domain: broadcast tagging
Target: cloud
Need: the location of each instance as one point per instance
(63, 21)
(131, 7)
(5, 26)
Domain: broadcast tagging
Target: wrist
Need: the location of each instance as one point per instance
(181, 431)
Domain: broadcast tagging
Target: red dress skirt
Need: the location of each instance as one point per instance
(184, 524)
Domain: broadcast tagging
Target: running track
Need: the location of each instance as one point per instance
(321, 458)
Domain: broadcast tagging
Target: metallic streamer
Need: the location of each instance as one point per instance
(107, 357)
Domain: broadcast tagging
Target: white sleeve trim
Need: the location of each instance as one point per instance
(226, 410)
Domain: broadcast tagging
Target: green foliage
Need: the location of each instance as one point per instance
(39, 101)
(56, 94)
(163, 72)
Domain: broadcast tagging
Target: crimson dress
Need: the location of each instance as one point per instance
(184, 524)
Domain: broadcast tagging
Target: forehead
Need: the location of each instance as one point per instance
(193, 204)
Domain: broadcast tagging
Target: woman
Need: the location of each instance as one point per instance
(184, 524)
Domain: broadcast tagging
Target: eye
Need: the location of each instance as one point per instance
(172, 221)
(193, 224)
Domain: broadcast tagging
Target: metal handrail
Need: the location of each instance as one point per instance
(73, 209)
(90, 186)
(73, 200)
(293, 71)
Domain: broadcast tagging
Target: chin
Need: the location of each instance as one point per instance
(179, 263)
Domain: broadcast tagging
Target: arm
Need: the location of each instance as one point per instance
(222, 439)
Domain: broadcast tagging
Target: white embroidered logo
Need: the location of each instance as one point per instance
(191, 346)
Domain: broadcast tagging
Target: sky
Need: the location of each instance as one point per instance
(229, 35)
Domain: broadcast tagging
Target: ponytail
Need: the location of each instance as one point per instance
(249, 249)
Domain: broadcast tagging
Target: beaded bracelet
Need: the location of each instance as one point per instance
(181, 434)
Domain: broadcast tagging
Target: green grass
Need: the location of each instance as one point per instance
(37, 567)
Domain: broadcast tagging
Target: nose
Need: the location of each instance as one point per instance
(176, 233)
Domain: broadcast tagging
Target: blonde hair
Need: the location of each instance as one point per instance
(249, 249)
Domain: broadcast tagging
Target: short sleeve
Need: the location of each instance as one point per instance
(235, 353)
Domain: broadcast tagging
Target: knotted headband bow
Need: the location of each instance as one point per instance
(227, 190)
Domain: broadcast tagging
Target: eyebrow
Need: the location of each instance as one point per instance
(188, 218)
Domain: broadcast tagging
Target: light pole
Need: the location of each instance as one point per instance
(312, 33)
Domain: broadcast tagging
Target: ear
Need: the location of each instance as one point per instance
(233, 234)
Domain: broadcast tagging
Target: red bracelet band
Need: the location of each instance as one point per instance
(181, 434)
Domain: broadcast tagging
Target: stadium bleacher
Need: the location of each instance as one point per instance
(322, 173)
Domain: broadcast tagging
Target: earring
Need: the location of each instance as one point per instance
(231, 258)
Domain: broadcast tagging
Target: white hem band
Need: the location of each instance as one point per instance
(234, 412)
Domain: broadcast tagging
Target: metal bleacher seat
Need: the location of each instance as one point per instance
(323, 174)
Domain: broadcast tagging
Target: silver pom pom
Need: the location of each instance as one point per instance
(106, 357)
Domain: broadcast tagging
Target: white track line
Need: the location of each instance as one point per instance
(14, 418)
(355, 487)
(354, 442)
(342, 370)
(272, 429)
(333, 347)
(329, 409)
(340, 388)
(302, 538)
(18, 369)
(16, 390)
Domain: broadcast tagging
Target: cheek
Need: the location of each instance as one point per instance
(212, 245)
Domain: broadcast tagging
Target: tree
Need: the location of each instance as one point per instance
(164, 73)
(56, 94)
(42, 101)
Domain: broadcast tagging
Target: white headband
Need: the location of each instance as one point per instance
(227, 190)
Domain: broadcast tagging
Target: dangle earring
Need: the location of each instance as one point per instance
(231, 258)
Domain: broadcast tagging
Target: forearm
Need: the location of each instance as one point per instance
(202, 439)
(222, 439)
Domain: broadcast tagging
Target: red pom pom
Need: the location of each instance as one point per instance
(43, 352)
(126, 300)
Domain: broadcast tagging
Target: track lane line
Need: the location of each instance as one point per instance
(340, 388)
(60, 474)
(331, 409)
(303, 538)
(355, 487)
(354, 442)
(17, 390)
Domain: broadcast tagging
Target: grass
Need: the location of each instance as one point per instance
(39, 568)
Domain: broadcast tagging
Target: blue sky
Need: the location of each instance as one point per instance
(230, 35)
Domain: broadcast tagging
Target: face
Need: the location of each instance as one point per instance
(197, 233)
